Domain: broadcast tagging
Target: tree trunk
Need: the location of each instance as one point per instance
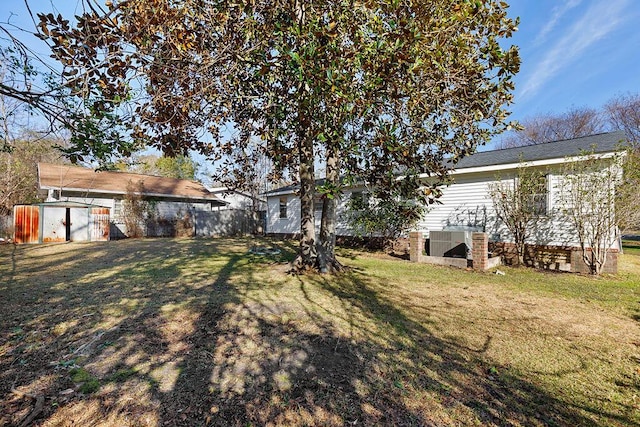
(327, 262)
(307, 255)
(520, 248)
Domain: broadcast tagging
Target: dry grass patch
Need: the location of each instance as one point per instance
(201, 332)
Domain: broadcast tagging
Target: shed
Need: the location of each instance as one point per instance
(169, 199)
(61, 221)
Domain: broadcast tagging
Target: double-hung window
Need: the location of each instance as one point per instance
(539, 202)
(283, 207)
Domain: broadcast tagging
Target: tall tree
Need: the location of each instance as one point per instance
(378, 88)
(21, 145)
(36, 85)
(18, 87)
(621, 112)
(181, 167)
(19, 168)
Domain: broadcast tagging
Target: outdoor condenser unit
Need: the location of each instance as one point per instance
(451, 244)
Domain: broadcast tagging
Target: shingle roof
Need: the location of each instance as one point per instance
(75, 178)
(600, 143)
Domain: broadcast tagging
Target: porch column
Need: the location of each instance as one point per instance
(416, 244)
(480, 251)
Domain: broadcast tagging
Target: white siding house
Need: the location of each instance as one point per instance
(283, 212)
(466, 204)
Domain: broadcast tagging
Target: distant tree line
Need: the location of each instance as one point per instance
(622, 112)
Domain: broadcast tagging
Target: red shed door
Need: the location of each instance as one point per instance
(26, 223)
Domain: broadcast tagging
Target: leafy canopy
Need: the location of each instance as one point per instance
(397, 86)
(378, 88)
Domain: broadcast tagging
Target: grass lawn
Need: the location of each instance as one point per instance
(201, 332)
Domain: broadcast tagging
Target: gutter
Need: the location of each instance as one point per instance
(120, 193)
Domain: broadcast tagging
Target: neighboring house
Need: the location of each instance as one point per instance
(240, 201)
(169, 199)
(283, 210)
(466, 204)
(236, 199)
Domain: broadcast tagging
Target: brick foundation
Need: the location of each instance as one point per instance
(579, 266)
(539, 256)
(547, 257)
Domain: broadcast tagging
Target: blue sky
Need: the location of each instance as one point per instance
(574, 53)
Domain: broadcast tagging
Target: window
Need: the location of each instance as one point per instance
(359, 200)
(539, 198)
(117, 209)
(283, 207)
(317, 204)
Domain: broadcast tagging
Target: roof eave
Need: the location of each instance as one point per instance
(280, 192)
(532, 163)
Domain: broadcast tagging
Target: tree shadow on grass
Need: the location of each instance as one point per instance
(268, 366)
(102, 309)
(460, 378)
(211, 336)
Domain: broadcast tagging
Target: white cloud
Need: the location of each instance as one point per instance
(557, 13)
(600, 19)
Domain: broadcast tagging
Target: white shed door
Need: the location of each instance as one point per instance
(79, 230)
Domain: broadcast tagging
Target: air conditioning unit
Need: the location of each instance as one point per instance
(450, 244)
